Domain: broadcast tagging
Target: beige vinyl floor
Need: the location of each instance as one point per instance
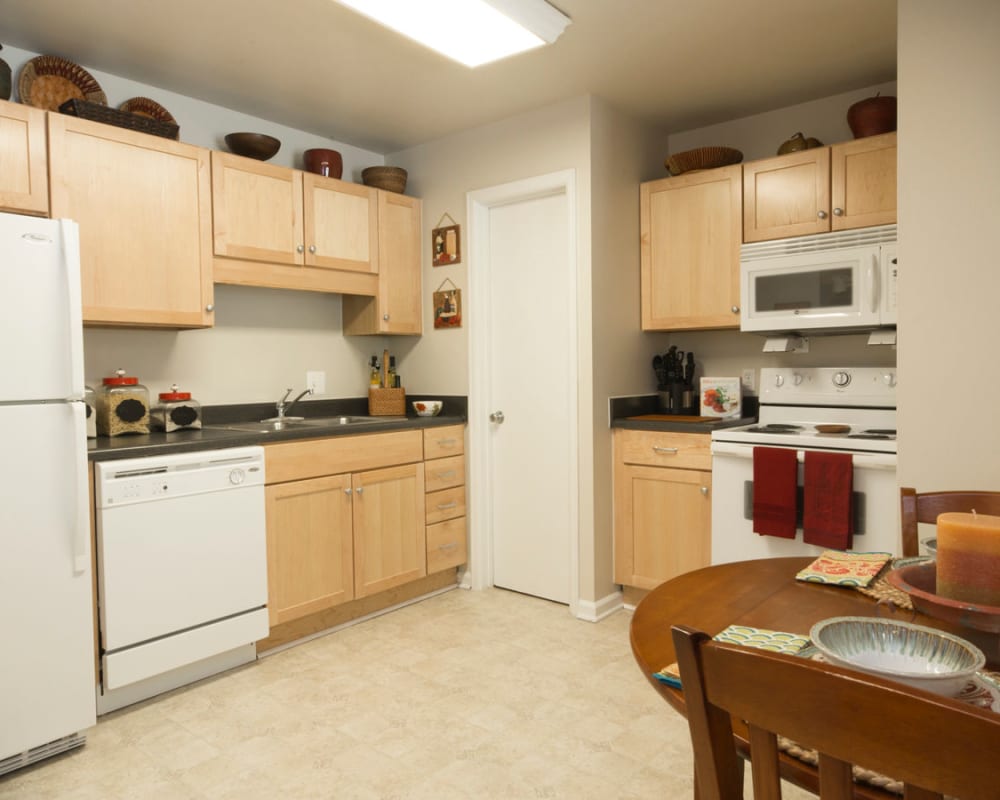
(464, 695)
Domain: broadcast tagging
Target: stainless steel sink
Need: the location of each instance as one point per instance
(271, 426)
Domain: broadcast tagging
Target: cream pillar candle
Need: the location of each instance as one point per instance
(968, 558)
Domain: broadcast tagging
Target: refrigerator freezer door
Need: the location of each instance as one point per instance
(47, 685)
(42, 354)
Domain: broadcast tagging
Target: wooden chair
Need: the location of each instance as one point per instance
(926, 506)
(934, 745)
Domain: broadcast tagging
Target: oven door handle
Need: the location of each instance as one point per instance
(884, 461)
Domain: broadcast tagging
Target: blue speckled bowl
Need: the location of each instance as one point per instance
(901, 651)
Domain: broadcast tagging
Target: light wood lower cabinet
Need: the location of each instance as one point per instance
(24, 185)
(662, 515)
(444, 505)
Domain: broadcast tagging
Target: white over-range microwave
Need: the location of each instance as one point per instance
(833, 281)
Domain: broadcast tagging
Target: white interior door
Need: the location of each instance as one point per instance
(531, 373)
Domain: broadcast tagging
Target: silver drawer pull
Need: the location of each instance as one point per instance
(448, 546)
(444, 506)
(447, 442)
(670, 451)
(450, 473)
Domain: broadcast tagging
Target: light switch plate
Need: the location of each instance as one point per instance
(316, 380)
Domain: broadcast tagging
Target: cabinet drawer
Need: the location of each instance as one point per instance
(442, 442)
(661, 449)
(443, 473)
(289, 461)
(446, 545)
(446, 504)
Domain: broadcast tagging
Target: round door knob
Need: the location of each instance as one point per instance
(735, 309)
(841, 378)
(497, 417)
(838, 212)
(312, 248)
(360, 489)
(347, 490)
(210, 308)
(385, 317)
(822, 215)
(300, 249)
(704, 490)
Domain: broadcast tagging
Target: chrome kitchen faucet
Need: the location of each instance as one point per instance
(283, 408)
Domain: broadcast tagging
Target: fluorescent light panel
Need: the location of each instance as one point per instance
(472, 32)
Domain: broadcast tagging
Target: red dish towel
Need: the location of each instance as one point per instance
(827, 514)
(775, 474)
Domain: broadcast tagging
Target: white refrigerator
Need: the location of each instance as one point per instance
(47, 686)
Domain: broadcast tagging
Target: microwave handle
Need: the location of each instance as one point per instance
(873, 282)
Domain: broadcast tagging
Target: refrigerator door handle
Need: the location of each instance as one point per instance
(81, 499)
(71, 260)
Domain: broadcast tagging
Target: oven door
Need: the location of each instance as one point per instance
(812, 291)
(733, 538)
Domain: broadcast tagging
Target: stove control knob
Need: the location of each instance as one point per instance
(796, 378)
(889, 378)
(841, 379)
(779, 381)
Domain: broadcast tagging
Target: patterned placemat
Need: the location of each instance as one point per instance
(844, 568)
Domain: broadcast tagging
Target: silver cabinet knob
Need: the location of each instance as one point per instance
(210, 308)
(497, 417)
(838, 212)
(300, 249)
(312, 248)
(347, 490)
(385, 317)
(735, 309)
(704, 490)
(822, 215)
(360, 489)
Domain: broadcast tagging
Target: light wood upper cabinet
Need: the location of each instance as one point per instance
(690, 250)
(845, 186)
(662, 508)
(24, 184)
(143, 205)
(288, 229)
(396, 309)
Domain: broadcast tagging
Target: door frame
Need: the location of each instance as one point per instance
(479, 571)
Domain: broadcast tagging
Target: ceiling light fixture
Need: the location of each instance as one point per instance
(472, 32)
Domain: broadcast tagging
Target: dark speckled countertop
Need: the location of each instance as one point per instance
(214, 435)
(623, 409)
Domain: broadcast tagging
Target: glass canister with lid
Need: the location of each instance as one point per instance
(176, 411)
(122, 406)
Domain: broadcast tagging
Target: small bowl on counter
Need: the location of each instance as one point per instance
(924, 658)
(427, 408)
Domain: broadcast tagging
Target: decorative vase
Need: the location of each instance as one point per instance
(4, 79)
(872, 116)
(324, 162)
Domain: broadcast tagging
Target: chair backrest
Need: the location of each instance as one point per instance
(926, 506)
(934, 745)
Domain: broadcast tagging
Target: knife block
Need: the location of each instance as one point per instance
(386, 402)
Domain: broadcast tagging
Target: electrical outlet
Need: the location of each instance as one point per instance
(749, 380)
(316, 381)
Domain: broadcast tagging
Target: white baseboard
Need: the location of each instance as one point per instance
(595, 611)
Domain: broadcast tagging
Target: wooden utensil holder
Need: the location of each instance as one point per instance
(387, 402)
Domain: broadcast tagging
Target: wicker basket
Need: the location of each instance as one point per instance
(392, 179)
(702, 158)
(387, 402)
(120, 119)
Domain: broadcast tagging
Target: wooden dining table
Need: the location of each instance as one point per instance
(761, 594)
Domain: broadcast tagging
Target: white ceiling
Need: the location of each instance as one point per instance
(319, 67)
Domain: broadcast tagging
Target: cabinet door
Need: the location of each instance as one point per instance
(396, 308)
(863, 182)
(256, 210)
(142, 203)
(690, 251)
(663, 523)
(389, 532)
(787, 196)
(24, 184)
(310, 563)
(341, 224)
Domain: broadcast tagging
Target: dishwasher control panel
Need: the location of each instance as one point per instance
(142, 480)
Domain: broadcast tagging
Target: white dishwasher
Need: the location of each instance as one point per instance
(182, 569)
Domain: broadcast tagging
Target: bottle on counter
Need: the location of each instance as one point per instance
(176, 411)
(375, 379)
(122, 406)
(90, 404)
(390, 382)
